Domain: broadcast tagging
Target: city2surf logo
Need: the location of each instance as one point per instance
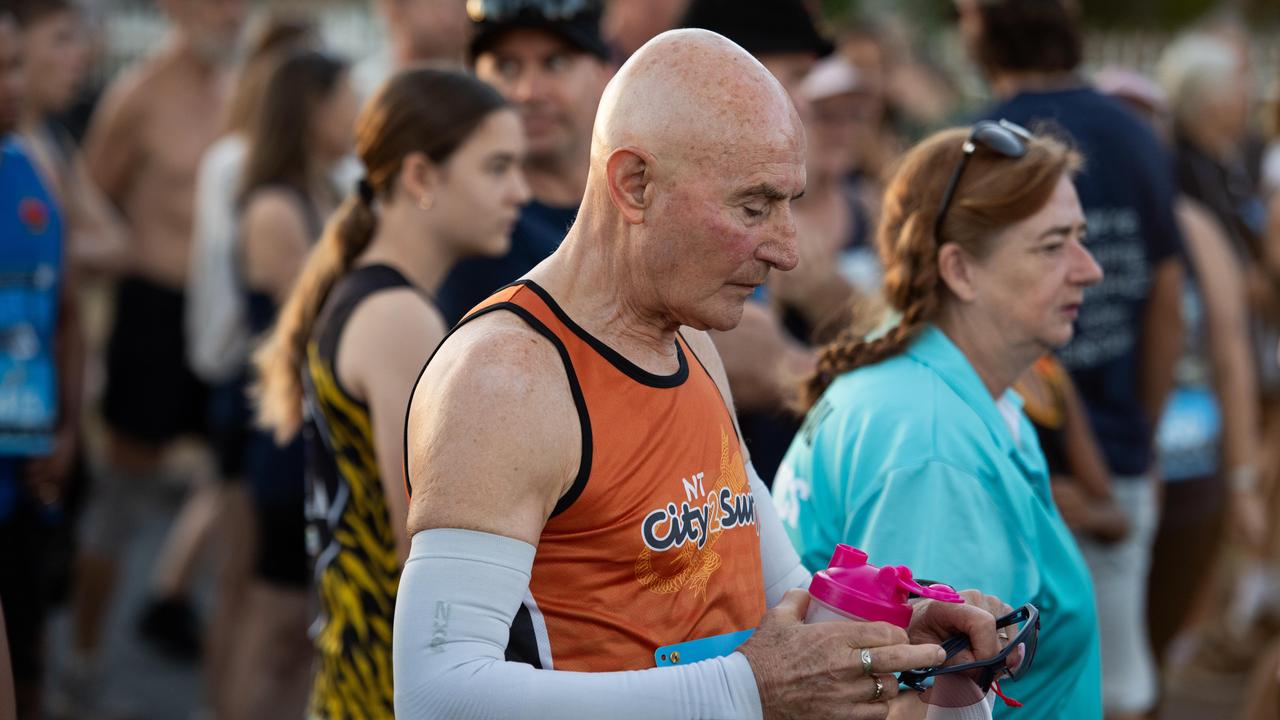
(680, 537)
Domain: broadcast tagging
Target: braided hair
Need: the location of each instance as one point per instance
(994, 193)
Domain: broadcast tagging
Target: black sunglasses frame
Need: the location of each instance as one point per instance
(504, 10)
(993, 667)
(1001, 137)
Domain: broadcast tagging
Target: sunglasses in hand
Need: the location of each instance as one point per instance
(1012, 662)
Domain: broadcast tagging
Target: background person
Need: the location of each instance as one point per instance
(442, 154)
(298, 136)
(142, 150)
(552, 67)
(914, 449)
(1129, 334)
(218, 337)
(40, 398)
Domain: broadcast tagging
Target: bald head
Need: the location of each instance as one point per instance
(688, 94)
(696, 156)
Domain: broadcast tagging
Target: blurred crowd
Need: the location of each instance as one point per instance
(213, 237)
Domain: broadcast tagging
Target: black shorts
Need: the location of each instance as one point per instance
(230, 425)
(151, 396)
(25, 539)
(278, 487)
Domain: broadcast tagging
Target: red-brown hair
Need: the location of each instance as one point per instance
(995, 192)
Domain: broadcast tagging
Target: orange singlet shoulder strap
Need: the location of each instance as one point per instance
(516, 299)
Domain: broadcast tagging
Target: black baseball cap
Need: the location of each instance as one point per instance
(577, 21)
(761, 27)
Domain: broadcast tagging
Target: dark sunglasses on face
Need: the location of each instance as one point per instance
(993, 668)
(502, 10)
(1001, 137)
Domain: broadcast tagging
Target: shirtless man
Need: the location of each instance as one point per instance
(143, 147)
(564, 415)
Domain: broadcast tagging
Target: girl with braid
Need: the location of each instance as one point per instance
(915, 448)
(442, 153)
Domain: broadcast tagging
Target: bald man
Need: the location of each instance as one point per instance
(581, 502)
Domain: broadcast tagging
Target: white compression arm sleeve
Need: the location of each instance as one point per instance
(779, 562)
(458, 595)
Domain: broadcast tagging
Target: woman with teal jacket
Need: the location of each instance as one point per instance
(914, 448)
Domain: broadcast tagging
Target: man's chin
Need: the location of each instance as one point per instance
(724, 321)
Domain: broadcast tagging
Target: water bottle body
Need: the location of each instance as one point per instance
(822, 612)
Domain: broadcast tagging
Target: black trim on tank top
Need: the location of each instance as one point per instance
(615, 358)
(352, 289)
(579, 401)
(733, 421)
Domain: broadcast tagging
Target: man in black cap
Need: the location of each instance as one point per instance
(548, 58)
(780, 34)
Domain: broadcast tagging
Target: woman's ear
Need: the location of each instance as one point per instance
(419, 178)
(955, 268)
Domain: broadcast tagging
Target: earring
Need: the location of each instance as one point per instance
(426, 202)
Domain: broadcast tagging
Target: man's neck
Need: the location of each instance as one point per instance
(1007, 84)
(558, 183)
(31, 120)
(588, 275)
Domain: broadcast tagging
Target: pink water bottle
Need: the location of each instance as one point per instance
(851, 589)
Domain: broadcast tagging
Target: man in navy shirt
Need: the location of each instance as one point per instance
(1128, 335)
(553, 67)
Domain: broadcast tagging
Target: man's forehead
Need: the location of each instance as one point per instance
(777, 180)
(530, 42)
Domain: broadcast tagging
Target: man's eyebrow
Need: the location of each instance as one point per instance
(768, 192)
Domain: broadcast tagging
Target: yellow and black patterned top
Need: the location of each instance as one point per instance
(349, 533)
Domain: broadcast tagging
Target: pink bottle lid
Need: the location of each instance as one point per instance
(854, 587)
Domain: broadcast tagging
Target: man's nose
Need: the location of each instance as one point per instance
(529, 85)
(780, 250)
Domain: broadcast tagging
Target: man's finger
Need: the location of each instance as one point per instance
(864, 689)
(869, 711)
(896, 658)
(872, 634)
(793, 605)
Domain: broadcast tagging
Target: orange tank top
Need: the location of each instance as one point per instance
(656, 541)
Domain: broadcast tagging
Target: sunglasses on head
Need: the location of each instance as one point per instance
(503, 10)
(993, 668)
(1001, 137)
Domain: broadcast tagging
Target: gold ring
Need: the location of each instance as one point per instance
(865, 654)
(879, 688)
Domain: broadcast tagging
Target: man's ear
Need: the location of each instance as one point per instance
(955, 268)
(629, 176)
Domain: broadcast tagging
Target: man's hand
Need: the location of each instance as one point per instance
(1082, 512)
(806, 671)
(1247, 514)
